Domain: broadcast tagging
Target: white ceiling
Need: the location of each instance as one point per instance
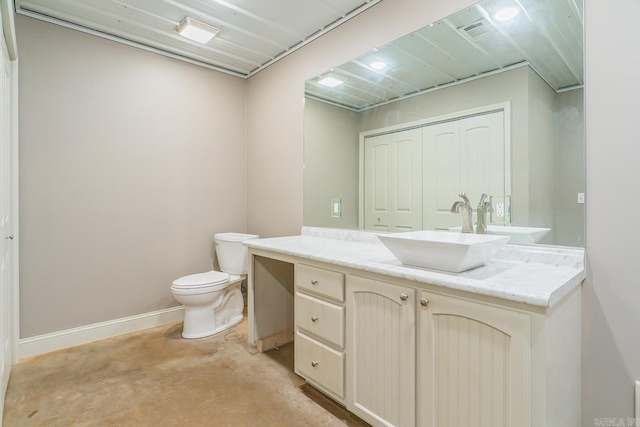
(546, 35)
(253, 33)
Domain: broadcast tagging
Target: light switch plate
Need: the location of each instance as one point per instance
(336, 208)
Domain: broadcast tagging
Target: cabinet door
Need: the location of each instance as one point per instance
(473, 364)
(380, 352)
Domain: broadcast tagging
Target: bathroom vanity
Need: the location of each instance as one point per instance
(497, 345)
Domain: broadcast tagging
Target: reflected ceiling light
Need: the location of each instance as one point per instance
(330, 81)
(378, 65)
(196, 30)
(506, 14)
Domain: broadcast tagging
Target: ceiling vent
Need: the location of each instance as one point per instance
(477, 30)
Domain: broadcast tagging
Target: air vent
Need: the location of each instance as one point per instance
(477, 30)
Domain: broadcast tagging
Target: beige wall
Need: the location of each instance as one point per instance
(611, 308)
(330, 165)
(129, 163)
(541, 154)
(570, 168)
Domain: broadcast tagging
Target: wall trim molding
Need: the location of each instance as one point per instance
(59, 340)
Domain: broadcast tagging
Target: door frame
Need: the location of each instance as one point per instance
(15, 199)
(485, 109)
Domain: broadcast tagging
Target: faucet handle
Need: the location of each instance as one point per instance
(464, 197)
(487, 207)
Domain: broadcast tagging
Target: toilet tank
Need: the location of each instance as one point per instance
(233, 256)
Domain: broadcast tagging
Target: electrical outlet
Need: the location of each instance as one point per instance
(496, 214)
(500, 213)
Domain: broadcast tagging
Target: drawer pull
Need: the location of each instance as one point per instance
(314, 282)
(404, 296)
(314, 363)
(314, 319)
(424, 302)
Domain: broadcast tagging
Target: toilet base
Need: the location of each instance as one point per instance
(222, 314)
(189, 333)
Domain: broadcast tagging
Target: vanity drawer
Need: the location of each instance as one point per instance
(320, 318)
(319, 364)
(320, 281)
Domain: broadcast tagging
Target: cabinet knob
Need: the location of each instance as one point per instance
(314, 363)
(314, 282)
(314, 319)
(424, 302)
(404, 296)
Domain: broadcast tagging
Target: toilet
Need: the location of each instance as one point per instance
(213, 300)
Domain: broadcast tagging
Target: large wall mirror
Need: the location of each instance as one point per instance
(488, 100)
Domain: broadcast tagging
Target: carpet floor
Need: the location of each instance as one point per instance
(157, 378)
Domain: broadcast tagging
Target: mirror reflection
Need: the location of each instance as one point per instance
(486, 101)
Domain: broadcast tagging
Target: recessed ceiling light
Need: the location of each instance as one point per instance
(506, 14)
(378, 65)
(330, 81)
(196, 30)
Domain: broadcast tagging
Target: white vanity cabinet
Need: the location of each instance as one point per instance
(380, 351)
(398, 354)
(319, 328)
(411, 348)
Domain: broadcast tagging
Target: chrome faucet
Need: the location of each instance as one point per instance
(464, 209)
(483, 209)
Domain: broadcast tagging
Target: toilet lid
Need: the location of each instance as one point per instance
(202, 280)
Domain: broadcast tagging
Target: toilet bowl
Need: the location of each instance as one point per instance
(213, 300)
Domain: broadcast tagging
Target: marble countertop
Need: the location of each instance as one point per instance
(538, 275)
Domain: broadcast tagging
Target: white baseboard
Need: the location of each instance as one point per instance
(46, 343)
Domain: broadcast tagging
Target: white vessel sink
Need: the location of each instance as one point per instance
(517, 234)
(443, 250)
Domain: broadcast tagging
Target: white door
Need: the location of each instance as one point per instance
(466, 155)
(441, 176)
(393, 181)
(482, 155)
(6, 238)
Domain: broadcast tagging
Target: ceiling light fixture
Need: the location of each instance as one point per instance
(506, 14)
(330, 81)
(378, 65)
(196, 30)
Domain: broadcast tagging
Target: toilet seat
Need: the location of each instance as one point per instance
(212, 280)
